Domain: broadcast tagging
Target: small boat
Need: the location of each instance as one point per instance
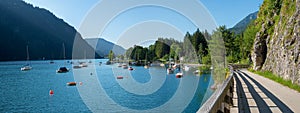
(162, 65)
(146, 64)
(90, 61)
(125, 66)
(71, 83)
(119, 65)
(119, 77)
(196, 72)
(83, 65)
(179, 75)
(186, 68)
(146, 67)
(51, 62)
(26, 68)
(130, 68)
(76, 66)
(170, 71)
(108, 63)
(62, 70)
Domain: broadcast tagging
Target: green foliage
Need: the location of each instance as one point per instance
(161, 48)
(165, 58)
(205, 69)
(278, 79)
(218, 53)
(111, 55)
(206, 60)
(247, 41)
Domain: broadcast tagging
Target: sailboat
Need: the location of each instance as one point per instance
(27, 66)
(63, 69)
(146, 64)
(179, 74)
(83, 64)
(170, 69)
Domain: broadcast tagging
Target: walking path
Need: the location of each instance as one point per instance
(254, 94)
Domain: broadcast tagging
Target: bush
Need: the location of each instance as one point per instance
(206, 60)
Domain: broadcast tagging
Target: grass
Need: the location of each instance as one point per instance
(277, 79)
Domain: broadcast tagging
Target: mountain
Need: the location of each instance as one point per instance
(102, 46)
(21, 24)
(242, 25)
(277, 43)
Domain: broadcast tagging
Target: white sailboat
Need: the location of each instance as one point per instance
(63, 69)
(27, 66)
(170, 70)
(146, 66)
(179, 74)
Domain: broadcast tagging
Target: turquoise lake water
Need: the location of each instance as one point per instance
(141, 90)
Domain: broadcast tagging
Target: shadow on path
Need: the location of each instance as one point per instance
(243, 105)
(284, 108)
(260, 103)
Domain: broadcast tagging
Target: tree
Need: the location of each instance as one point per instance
(111, 55)
(218, 54)
(248, 40)
(161, 49)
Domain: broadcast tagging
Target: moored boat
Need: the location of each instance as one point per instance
(119, 77)
(125, 66)
(76, 66)
(196, 72)
(146, 67)
(130, 68)
(170, 71)
(62, 70)
(119, 65)
(179, 75)
(71, 83)
(27, 66)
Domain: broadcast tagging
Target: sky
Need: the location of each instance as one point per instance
(156, 21)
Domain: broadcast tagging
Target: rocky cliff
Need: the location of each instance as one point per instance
(277, 42)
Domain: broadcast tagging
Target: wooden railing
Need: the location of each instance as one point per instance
(221, 100)
(238, 66)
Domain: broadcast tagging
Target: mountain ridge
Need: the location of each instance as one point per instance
(102, 46)
(241, 26)
(22, 24)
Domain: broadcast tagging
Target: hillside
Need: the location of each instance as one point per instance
(102, 46)
(242, 25)
(277, 43)
(22, 24)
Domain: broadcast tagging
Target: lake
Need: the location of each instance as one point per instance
(140, 90)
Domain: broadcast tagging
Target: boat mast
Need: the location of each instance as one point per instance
(64, 53)
(27, 51)
(85, 55)
(146, 58)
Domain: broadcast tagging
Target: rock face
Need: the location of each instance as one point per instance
(277, 44)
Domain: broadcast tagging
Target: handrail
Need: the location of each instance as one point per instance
(214, 103)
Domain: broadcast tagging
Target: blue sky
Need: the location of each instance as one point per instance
(224, 12)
